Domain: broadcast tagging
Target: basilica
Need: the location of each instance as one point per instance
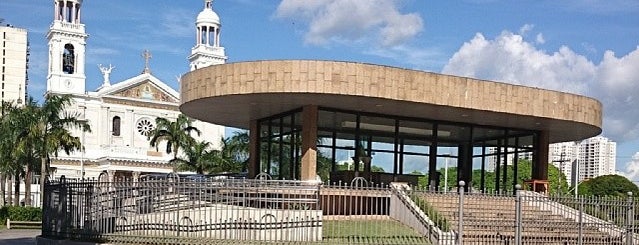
(121, 113)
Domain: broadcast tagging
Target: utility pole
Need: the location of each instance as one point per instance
(561, 168)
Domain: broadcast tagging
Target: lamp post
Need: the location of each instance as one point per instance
(83, 120)
(82, 155)
(446, 172)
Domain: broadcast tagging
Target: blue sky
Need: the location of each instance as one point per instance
(589, 47)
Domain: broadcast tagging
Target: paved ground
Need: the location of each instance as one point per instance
(18, 237)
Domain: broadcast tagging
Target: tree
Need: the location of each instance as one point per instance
(235, 151)
(608, 185)
(25, 144)
(176, 134)
(377, 169)
(8, 165)
(52, 127)
(198, 157)
(557, 180)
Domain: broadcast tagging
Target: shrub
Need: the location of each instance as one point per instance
(20, 214)
(439, 220)
(3, 215)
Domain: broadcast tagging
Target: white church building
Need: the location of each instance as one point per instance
(122, 113)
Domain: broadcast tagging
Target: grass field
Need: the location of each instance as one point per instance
(333, 232)
(369, 232)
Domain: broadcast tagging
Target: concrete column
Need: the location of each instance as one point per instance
(136, 179)
(73, 13)
(308, 170)
(465, 165)
(111, 175)
(217, 37)
(213, 31)
(254, 146)
(136, 176)
(65, 11)
(56, 11)
(540, 159)
(198, 32)
(111, 178)
(432, 163)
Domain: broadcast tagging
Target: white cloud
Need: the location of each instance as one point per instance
(177, 22)
(509, 58)
(589, 48)
(632, 168)
(352, 21)
(525, 29)
(540, 38)
(618, 90)
(418, 58)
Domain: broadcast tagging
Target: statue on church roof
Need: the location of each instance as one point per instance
(147, 56)
(106, 72)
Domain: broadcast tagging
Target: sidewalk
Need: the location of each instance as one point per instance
(18, 237)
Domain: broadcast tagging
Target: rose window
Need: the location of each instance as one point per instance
(144, 127)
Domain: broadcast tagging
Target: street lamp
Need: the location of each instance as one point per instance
(446, 171)
(83, 121)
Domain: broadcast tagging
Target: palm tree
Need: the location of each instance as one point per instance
(26, 142)
(235, 151)
(177, 134)
(7, 163)
(199, 158)
(52, 128)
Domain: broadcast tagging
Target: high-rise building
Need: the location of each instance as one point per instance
(564, 156)
(507, 155)
(596, 157)
(15, 57)
(583, 160)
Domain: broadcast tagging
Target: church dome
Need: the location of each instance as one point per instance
(207, 16)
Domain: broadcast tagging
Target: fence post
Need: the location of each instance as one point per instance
(580, 237)
(629, 220)
(460, 223)
(518, 214)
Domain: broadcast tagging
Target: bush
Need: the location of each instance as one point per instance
(3, 215)
(20, 214)
(430, 211)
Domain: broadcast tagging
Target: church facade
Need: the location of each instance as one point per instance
(120, 114)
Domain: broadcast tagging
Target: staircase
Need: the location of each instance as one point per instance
(491, 220)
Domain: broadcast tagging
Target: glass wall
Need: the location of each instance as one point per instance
(382, 149)
(280, 146)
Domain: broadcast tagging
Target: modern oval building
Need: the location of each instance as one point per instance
(342, 120)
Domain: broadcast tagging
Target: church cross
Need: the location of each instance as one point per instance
(146, 55)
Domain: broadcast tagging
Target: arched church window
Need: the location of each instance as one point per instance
(116, 126)
(68, 59)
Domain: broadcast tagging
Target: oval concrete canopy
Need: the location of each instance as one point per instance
(233, 94)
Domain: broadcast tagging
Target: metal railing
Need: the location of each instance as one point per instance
(173, 210)
(532, 218)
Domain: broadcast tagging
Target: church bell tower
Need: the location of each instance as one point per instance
(207, 50)
(67, 43)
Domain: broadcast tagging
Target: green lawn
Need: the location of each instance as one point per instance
(333, 232)
(370, 232)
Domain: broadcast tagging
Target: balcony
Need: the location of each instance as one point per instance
(79, 28)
